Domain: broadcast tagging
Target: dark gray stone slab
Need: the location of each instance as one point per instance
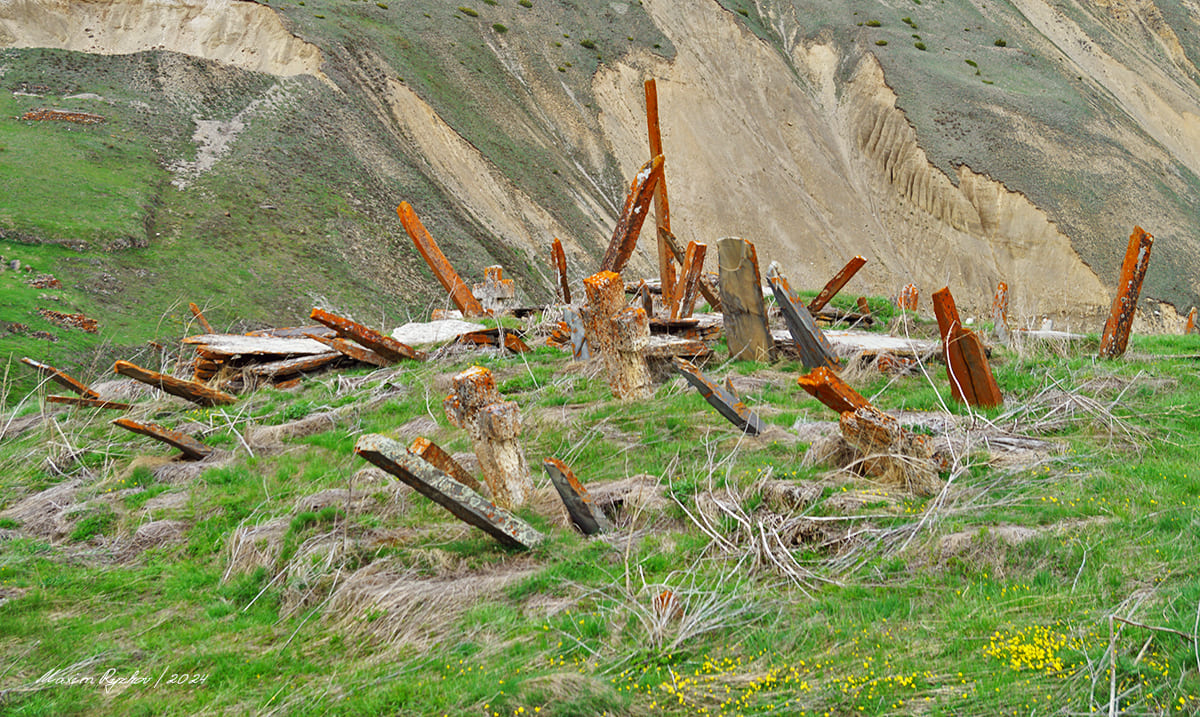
(586, 515)
(464, 503)
(724, 400)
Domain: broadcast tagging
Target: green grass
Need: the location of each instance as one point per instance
(991, 628)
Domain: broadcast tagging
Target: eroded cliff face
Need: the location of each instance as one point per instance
(244, 34)
(798, 145)
(818, 170)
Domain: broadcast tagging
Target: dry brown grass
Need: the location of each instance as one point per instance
(46, 514)
(391, 603)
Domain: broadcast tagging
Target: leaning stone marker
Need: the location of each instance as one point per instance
(971, 379)
(724, 400)
(464, 503)
(62, 378)
(1124, 306)
(742, 301)
(192, 449)
(586, 515)
(195, 392)
(814, 348)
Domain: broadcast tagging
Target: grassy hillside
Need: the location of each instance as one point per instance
(286, 575)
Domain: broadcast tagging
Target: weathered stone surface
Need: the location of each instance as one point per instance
(385, 346)
(619, 334)
(292, 367)
(226, 346)
(60, 377)
(496, 294)
(711, 296)
(495, 337)
(1129, 287)
(495, 428)
(88, 402)
(742, 302)
(560, 268)
(967, 366)
(889, 452)
(585, 514)
(689, 284)
(192, 391)
(208, 329)
(352, 350)
(863, 307)
(725, 400)
(1000, 313)
(815, 350)
(836, 283)
(575, 324)
(1190, 327)
(429, 451)
(441, 267)
(191, 448)
(633, 215)
(908, 298)
(828, 388)
(662, 208)
(464, 503)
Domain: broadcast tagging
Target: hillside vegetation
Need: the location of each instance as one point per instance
(286, 575)
(256, 171)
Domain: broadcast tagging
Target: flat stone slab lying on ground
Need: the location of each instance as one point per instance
(850, 342)
(464, 503)
(228, 345)
(434, 332)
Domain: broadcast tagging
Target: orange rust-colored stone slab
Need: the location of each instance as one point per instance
(710, 295)
(351, 349)
(491, 337)
(208, 329)
(443, 461)
(863, 307)
(1129, 287)
(1190, 328)
(693, 267)
(385, 346)
(88, 402)
(836, 283)
(441, 267)
(192, 391)
(967, 367)
(61, 378)
(191, 448)
(560, 267)
(637, 204)
(662, 211)
(908, 298)
(828, 388)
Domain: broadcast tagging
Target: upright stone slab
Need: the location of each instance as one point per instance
(495, 429)
(496, 294)
(619, 334)
(967, 367)
(689, 284)
(585, 514)
(1190, 327)
(907, 300)
(742, 304)
(724, 399)
(814, 348)
(662, 208)
(1000, 313)
(1129, 287)
(579, 344)
(711, 296)
(464, 503)
(560, 268)
(208, 329)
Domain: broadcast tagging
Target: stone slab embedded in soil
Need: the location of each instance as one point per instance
(461, 501)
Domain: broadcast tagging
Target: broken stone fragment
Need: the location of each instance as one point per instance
(495, 429)
(584, 512)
